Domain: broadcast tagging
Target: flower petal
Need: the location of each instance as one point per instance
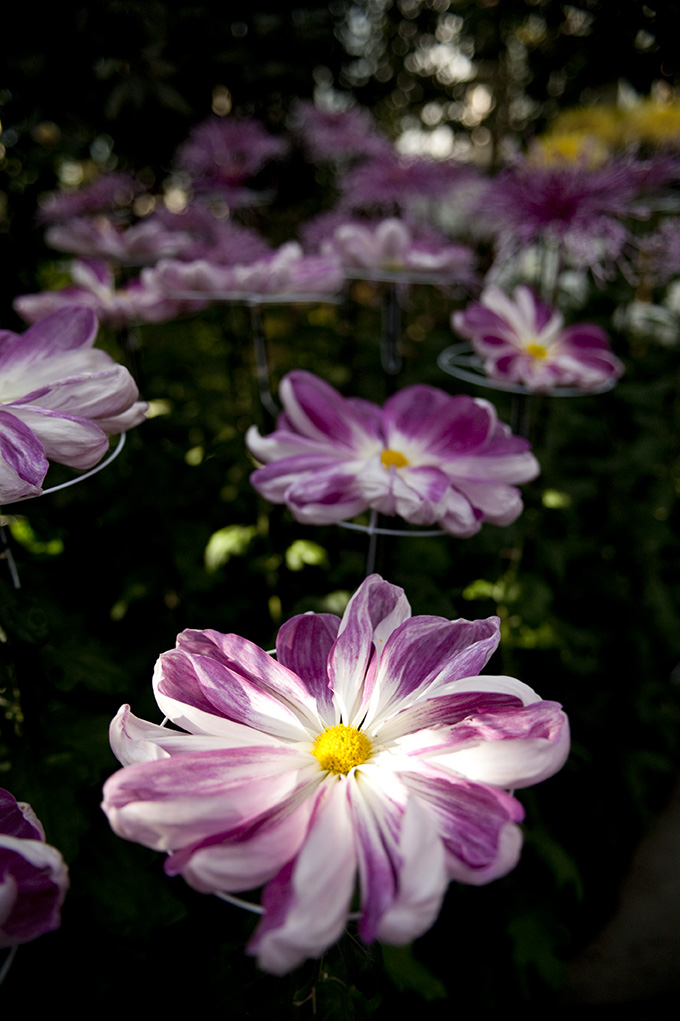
(372, 614)
(172, 802)
(425, 653)
(303, 645)
(476, 823)
(23, 464)
(307, 903)
(76, 442)
(511, 748)
(250, 856)
(69, 329)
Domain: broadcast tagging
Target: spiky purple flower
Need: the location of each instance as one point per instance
(395, 183)
(584, 211)
(339, 135)
(222, 153)
(110, 191)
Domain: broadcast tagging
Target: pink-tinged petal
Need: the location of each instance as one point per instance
(422, 879)
(219, 692)
(33, 883)
(303, 645)
(17, 818)
(224, 662)
(249, 857)
(372, 614)
(172, 802)
(499, 504)
(512, 748)
(23, 464)
(135, 415)
(378, 799)
(443, 711)
(95, 395)
(134, 740)
(66, 439)
(328, 494)
(181, 699)
(285, 444)
(307, 903)
(425, 653)
(458, 516)
(476, 823)
(69, 329)
(319, 412)
(430, 419)
(318, 489)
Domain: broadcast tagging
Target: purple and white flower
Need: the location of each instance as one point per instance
(391, 246)
(370, 754)
(33, 875)
(60, 400)
(426, 456)
(99, 237)
(287, 271)
(523, 340)
(94, 287)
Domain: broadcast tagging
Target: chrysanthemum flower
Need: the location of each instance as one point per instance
(339, 134)
(287, 271)
(393, 246)
(33, 875)
(523, 340)
(583, 210)
(60, 400)
(221, 153)
(426, 456)
(109, 191)
(99, 237)
(371, 755)
(394, 183)
(94, 287)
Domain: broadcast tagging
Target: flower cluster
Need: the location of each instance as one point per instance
(33, 876)
(427, 457)
(370, 753)
(523, 340)
(60, 400)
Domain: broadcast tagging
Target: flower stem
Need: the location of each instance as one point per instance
(391, 331)
(261, 364)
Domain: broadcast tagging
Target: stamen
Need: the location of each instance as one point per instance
(393, 457)
(536, 350)
(341, 748)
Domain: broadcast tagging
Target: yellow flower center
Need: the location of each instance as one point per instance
(536, 350)
(393, 457)
(341, 748)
